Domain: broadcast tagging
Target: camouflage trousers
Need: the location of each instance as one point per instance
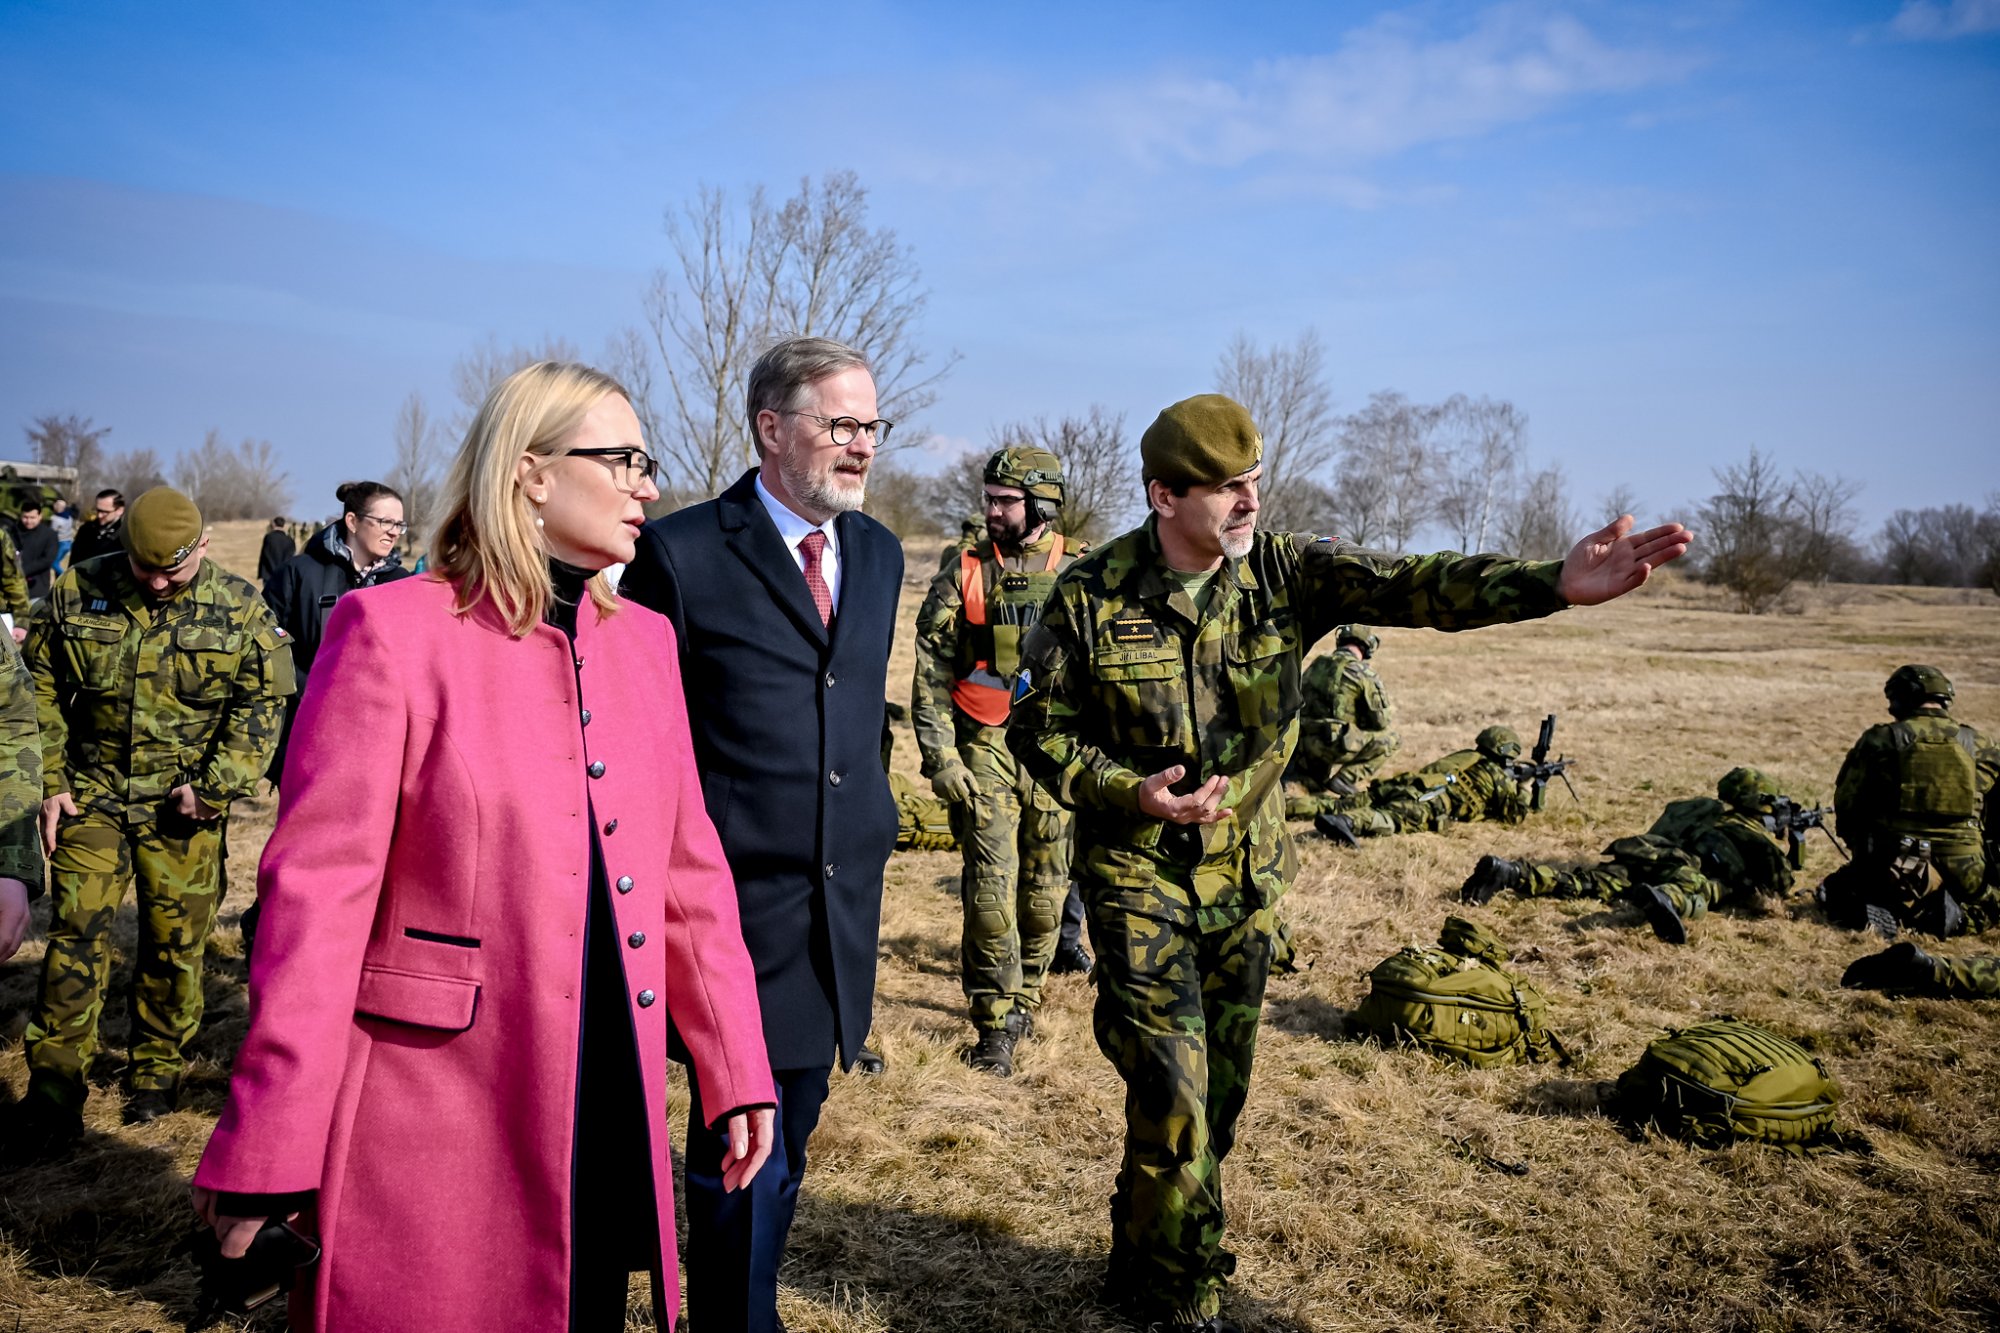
(177, 864)
(1875, 876)
(1691, 892)
(1016, 843)
(1968, 978)
(1177, 1015)
(1351, 753)
(1400, 814)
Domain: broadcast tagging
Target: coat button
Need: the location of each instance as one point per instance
(830, 868)
(829, 680)
(636, 938)
(624, 884)
(833, 779)
(586, 717)
(579, 664)
(646, 999)
(611, 828)
(596, 769)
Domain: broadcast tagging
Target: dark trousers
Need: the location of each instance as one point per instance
(737, 1240)
(1072, 919)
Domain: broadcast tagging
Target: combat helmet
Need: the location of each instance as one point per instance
(1747, 789)
(1360, 636)
(1036, 471)
(1913, 686)
(1498, 743)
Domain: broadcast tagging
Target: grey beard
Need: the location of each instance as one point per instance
(1236, 543)
(820, 493)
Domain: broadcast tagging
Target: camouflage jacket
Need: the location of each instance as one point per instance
(1736, 850)
(1341, 689)
(136, 697)
(13, 583)
(20, 772)
(1926, 775)
(1123, 678)
(946, 650)
(1471, 785)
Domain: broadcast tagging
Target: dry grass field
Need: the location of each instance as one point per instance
(1363, 1193)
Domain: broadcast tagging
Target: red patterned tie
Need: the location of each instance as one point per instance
(810, 546)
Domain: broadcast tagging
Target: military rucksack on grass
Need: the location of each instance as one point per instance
(1727, 1080)
(1458, 1001)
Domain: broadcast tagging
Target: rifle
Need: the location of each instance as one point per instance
(1539, 768)
(1794, 820)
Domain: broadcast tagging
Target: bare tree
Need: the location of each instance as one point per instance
(130, 472)
(1387, 470)
(1823, 517)
(486, 363)
(419, 467)
(1764, 531)
(1540, 524)
(1945, 546)
(951, 497)
(1619, 500)
(1480, 468)
(70, 441)
(226, 483)
(1286, 392)
(742, 278)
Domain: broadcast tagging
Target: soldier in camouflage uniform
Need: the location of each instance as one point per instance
(1905, 969)
(1698, 854)
(1909, 801)
(13, 585)
(1466, 786)
(1344, 735)
(20, 799)
(1014, 836)
(1158, 699)
(160, 682)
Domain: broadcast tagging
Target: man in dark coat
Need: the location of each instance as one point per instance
(784, 602)
(277, 549)
(36, 542)
(103, 533)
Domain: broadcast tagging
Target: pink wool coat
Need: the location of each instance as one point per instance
(414, 996)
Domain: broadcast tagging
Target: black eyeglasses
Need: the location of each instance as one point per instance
(844, 429)
(391, 525)
(638, 467)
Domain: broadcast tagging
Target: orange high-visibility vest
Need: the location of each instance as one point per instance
(986, 695)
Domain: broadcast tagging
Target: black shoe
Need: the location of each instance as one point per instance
(1342, 787)
(1070, 959)
(149, 1104)
(38, 1128)
(1487, 878)
(1339, 828)
(993, 1052)
(1021, 1023)
(1900, 967)
(1881, 921)
(1658, 909)
(1938, 914)
(869, 1062)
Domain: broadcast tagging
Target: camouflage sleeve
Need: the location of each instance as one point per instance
(20, 773)
(1446, 591)
(40, 654)
(243, 744)
(1044, 729)
(1987, 761)
(937, 657)
(1371, 707)
(13, 583)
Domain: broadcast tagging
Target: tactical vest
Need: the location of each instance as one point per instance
(993, 628)
(1936, 774)
(1681, 820)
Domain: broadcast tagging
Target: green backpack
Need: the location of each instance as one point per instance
(1458, 1001)
(1725, 1080)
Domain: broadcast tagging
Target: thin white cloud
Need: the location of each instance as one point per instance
(1928, 21)
(1389, 87)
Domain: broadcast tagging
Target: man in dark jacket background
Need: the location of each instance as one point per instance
(784, 602)
(102, 531)
(277, 549)
(36, 541)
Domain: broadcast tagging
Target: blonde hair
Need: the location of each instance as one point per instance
(487, 542)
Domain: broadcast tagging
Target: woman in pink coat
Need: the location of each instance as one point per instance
(491, 885)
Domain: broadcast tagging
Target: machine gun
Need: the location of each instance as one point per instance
(1539, 768)
(1794, 819)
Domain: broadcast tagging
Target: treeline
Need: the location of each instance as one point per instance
(228, 482)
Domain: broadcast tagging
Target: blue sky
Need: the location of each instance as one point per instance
(1668, 232)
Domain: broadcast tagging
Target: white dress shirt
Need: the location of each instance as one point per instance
(793, 529)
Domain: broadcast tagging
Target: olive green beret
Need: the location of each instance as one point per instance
(1200, 441)
(162, 528)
